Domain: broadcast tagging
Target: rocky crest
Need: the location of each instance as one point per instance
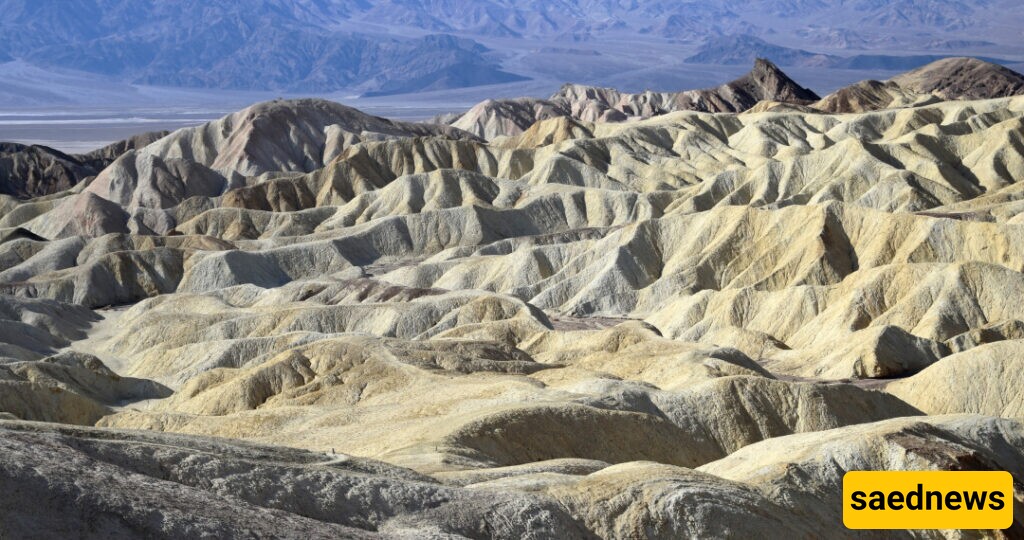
(765, 82)
(947, 79)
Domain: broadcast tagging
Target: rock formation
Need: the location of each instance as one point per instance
(765, 82)
(946, 79)
(304, 321)
(36, 171)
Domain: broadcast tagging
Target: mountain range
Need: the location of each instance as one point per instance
(264, 45)
(744, 48)
(394, 47)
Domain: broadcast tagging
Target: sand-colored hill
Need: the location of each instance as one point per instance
(130, 483)
(687, 325)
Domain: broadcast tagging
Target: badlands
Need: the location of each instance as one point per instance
(600, 315)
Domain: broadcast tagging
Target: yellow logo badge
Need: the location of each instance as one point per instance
(927, 500)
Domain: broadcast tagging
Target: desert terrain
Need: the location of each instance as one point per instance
(602, 314)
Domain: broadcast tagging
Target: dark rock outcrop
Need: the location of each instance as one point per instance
(34, 171)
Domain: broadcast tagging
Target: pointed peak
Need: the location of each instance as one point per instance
(766, 66)
(766, 81)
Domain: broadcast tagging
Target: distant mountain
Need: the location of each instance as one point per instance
(694, 24)
(894, 63)
(743, 49)
(938, 14)
(262, 44)
(835, 38)
(700, 19)
(952, 44)
(379, 47)
(886, 62)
